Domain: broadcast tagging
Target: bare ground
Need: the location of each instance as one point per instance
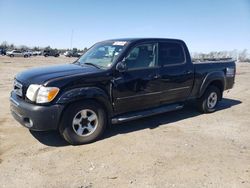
(177, 149)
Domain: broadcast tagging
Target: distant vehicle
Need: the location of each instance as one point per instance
(54, 53)
(17, 53)
(2, 51)
(77, 54)
(35, 53)
(80, 53)
(67, 53)
(29, 52)
(117, 81)
(72, 54)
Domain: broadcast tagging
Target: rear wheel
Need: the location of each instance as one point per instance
(11, 55)
(208, 102)
(83, 122)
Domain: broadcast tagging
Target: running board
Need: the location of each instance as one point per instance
(146, 113)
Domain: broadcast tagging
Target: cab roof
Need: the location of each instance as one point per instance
(144, 39)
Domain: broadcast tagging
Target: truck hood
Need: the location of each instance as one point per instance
(43, 74)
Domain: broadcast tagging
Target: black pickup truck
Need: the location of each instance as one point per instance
(116, 81)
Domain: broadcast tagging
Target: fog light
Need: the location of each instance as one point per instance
(28, 122)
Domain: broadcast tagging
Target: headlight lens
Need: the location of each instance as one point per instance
(41, 94)
(46, 94)
(32, 92)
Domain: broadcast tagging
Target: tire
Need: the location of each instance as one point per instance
(46, 55)
(79, 132)
(25, 56)
(11, 55)
(208, 102)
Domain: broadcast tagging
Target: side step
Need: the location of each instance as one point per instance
(145, 113)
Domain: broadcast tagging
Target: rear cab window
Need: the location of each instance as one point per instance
(171, 53)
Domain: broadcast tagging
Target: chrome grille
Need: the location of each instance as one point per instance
(18, 88)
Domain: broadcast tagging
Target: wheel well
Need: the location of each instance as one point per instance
(104, 106)
(107, 111)
(219, 85)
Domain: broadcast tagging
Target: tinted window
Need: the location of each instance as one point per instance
(141, 56)
(170, 53)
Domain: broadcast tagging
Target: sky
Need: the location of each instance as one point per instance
(204, 25)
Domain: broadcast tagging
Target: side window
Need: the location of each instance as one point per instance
(170, 53)
(141, 56)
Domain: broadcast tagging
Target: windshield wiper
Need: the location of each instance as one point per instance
(76, 62)
(94, 65)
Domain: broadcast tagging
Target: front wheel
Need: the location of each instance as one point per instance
(83, 122)
(208, 102)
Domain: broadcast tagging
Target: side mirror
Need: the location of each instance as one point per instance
(121, 66)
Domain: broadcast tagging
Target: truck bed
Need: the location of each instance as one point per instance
(203, 68)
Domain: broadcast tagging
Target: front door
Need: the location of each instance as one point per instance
(138, 87)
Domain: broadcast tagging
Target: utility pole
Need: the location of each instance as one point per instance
(71, 38)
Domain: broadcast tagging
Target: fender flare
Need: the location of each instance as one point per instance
(93, 93)
(211, 77)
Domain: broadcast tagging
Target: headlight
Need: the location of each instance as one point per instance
(32, 92)
(41, 94)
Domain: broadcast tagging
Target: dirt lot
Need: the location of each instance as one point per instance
(177, 149)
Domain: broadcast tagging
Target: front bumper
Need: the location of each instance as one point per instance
(35, 117)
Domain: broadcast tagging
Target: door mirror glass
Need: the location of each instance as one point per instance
(121, 66)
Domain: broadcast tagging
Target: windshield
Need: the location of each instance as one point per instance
(103, 54)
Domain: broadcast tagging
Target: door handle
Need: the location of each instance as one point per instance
(156, 76)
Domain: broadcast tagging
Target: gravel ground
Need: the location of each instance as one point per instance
(176, 149)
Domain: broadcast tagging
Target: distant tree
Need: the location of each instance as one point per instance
(12, 47)
(47, 48)
(202, 56)
(243, 55)
(234, 54)
(35, 48)
(4, 45)
(212, 55)
(23, 47)
(85, 50)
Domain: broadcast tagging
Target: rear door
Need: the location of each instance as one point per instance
(138, 87)
(176, 72)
